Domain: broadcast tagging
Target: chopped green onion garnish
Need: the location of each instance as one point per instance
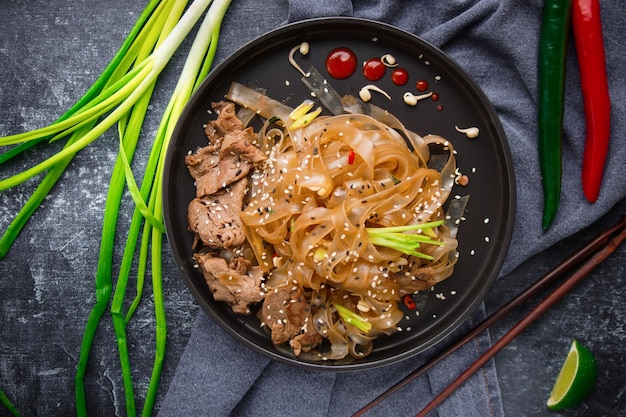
(304, 120)
(407, 243)
(301, 110)
(353, 318)
(319, 254)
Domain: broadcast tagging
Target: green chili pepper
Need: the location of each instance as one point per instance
(551, 86)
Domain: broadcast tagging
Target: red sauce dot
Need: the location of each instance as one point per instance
(434, 97)
(399, 76)
(439, 107)
(341, 63)
(374, 69)
(421, 85)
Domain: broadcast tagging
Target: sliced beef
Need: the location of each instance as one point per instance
(288, 315)
(240, 143)
(216, 220)
(203, 161)
(238, 283)
(227, 121)
(214, 170)
(220, 172)
(414, 278)
(307, 340)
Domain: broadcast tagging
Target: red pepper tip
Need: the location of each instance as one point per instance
(591, 194)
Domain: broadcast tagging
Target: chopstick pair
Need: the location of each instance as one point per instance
(585, 260)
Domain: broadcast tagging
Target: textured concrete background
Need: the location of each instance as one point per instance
(594, 313)
(50, 52)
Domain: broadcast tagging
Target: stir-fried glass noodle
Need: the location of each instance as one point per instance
(322, 188)
(344, 219)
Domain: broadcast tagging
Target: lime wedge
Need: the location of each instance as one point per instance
(576, 378)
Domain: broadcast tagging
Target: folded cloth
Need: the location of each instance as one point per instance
(496, 43)
(216, 376)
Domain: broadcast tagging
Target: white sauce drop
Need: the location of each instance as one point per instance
(389, 60)
(303, 48)
(470, 132)
(411, 99)
(366, 95)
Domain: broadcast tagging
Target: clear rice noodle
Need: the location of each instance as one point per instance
(310, 208)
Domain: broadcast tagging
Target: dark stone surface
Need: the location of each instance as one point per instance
(50, 52)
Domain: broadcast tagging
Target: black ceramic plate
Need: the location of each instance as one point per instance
(484, 235)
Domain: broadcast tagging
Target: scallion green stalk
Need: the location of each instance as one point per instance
(194, 71)
(350, 317)
(6, 402)
(198, 62)
(144, 75)
(122, 95)
(114, 70)
(129, 129)
(153, 34)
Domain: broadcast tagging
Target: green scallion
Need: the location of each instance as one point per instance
(121, 96)
(350, 317)
(6, 402)
(395, 237)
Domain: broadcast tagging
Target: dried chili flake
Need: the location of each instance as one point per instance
(408, 302)
(351, 157)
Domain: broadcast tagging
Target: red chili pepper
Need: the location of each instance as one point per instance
(408, 302)
(587, 30)
(351, 157)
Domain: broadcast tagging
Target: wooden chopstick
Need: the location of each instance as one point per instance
(576, 277)
(604, 240)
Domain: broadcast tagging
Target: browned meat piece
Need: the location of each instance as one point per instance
(306, 341)
(240, 143)
(227, 121)
(215, 219)
(238, 284)
(202, 161)
(414, 279)
(287, 313)
(214, 171)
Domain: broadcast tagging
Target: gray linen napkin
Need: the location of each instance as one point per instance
(496, 42)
